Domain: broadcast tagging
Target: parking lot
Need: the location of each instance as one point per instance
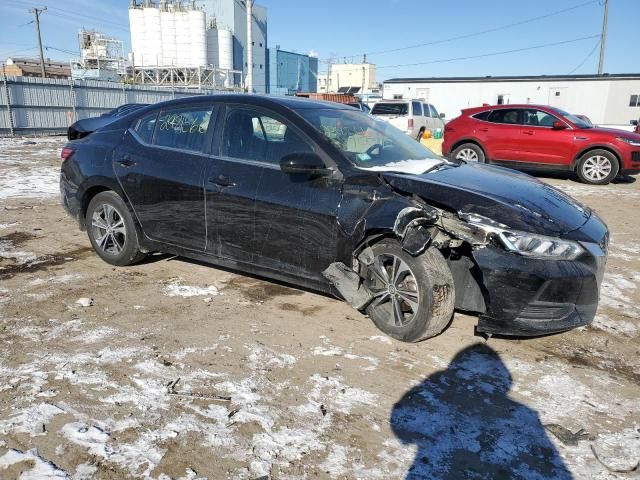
(173, 369)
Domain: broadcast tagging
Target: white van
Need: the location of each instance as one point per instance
(410, 116)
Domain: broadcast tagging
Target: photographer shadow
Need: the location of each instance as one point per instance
(465, 426)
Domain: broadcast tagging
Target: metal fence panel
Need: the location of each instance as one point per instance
(32, 106)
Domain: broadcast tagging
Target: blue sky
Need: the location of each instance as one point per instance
(338, 29)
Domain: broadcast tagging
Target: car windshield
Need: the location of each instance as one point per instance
(390, 109)
(577, 121)
(371, 143)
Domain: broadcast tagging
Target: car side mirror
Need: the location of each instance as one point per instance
(634, 123)
(442, 115)
(557, 125)
(306, 163)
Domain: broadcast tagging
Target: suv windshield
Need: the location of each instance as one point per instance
(390, 109)
(577, 121)
(371, 143)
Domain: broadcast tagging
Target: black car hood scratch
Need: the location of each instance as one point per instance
(512, 198)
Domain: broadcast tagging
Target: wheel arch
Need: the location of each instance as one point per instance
(590, 148)
(469, 140)
(92, 189)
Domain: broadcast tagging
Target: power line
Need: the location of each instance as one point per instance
(482, 55)
(482, 32)
(593, 50)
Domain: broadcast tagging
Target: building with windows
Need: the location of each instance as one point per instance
(610, 99)
(350, 75)
(291, 72)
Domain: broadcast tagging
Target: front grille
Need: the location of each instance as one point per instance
(635, 156)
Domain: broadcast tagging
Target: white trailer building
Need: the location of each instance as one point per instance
(610, 99)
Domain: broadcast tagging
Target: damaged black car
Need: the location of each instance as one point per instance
(322, 196)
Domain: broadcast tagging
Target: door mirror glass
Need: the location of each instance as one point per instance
(442, 115)
(557, 125)
(303, 163)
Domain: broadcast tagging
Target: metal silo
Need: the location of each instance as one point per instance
(152, 51)
(213, 57)
(225, 47)
(136, 25)
(198, 38)
(183, 38)
(169, 49)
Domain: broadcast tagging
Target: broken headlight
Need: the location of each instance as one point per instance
(525, 243)
(540, 246)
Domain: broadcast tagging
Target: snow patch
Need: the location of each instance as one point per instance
(42, 469)
(178, 290)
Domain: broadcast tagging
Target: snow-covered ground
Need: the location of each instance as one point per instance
(174, 370)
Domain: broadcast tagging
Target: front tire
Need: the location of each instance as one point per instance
(597, 167)
(112, 231)
(414, 297)
(469, 152)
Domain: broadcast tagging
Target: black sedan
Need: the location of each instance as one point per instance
(86, 126)
(322, 196)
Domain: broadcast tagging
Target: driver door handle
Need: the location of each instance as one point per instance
(483, 129)
(221, 181)
(527, 132)
(126, 161)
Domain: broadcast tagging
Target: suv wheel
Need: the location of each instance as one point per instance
(414, 297)
(469, 152)
(112, 231)
(597, 167)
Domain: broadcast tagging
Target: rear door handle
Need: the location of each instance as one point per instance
(221, 181)
(126, 161)
(528, 132)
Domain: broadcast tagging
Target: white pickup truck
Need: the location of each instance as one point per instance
(411, 116)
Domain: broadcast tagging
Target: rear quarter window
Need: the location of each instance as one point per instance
(145, 126)
(482, 115)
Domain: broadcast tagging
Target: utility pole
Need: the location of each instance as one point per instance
(37, 12)
(249, 46)
(603, 37)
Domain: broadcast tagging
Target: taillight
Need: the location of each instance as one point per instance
(66, 153)
(410, 124)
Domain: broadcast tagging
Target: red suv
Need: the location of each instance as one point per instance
(540, 137)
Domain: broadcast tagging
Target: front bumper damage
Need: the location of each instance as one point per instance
(513, 295)
(528, 297)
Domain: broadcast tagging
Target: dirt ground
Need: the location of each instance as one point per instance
(173, 369)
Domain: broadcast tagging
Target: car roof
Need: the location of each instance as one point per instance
(510, 105)
(295, 103)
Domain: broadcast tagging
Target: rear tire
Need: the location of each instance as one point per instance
(597, 167)
(469, 152)
(112, 231)
(414, 297)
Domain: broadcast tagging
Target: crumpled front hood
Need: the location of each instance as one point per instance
(509, 197)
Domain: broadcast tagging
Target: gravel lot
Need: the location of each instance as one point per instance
(173, 369)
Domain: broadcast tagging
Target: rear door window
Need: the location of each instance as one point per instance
(390, 108)
(417, 108)
(184, 129)
(144, 128)
(509, 116)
